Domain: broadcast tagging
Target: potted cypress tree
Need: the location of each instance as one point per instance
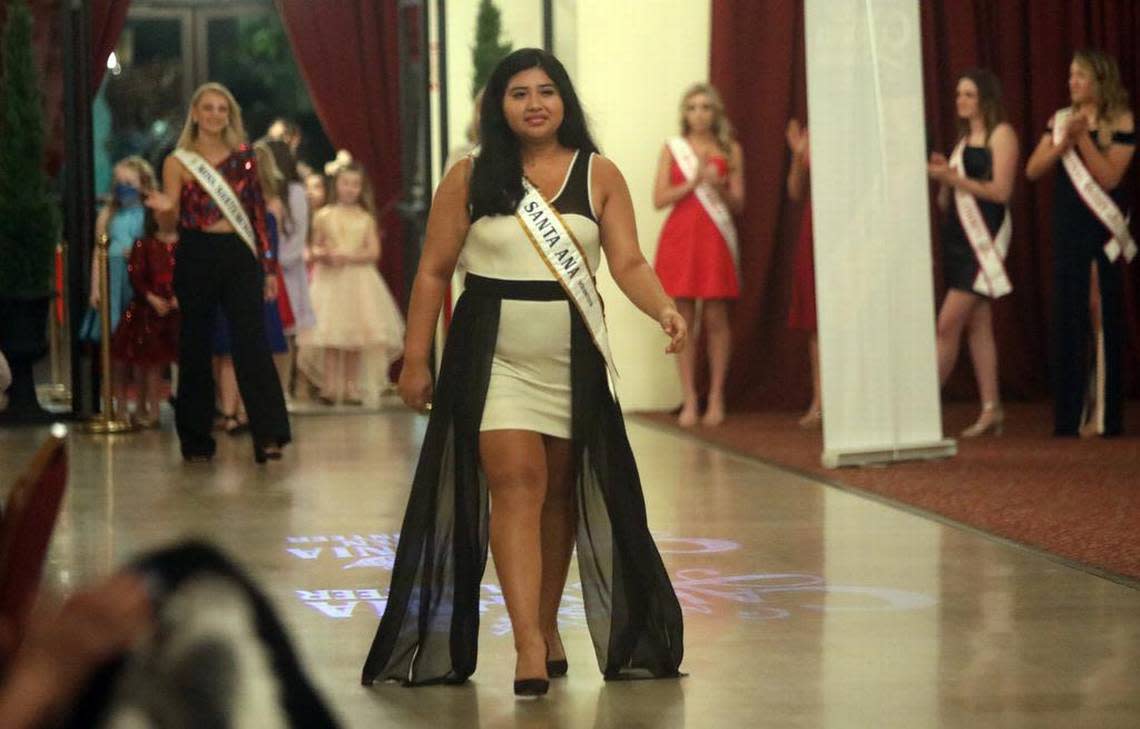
(488, 49)
(29, 218)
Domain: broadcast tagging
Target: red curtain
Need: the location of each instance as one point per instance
(107, 20)
(758, 65)
(347, 52)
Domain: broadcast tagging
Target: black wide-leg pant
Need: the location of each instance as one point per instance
(1074, 348)
(212, 270)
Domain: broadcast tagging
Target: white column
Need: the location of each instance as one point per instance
(875, 297)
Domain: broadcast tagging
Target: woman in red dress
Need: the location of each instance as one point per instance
(701, 174)
(801, 314)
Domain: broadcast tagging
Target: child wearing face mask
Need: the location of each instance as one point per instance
(122, 222)
(359, 330)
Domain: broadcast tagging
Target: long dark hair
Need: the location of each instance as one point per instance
(496, 179)
(286, 162)
(989, 100)
(287, 166)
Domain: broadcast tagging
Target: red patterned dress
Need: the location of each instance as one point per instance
(693, 258)
(144, 337)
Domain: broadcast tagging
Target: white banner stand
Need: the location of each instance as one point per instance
(871, 217)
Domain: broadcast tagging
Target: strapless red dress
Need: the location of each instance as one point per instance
(693, 260)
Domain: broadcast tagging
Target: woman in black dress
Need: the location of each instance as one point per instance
(1094, 139)
(976, 185)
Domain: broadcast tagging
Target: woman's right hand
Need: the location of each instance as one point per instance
(1078, 127)
(94, 300)
(415, 386)
(938, 167)
(158, 303)
(159, 202)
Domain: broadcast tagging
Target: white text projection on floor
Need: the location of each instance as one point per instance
(701, 590)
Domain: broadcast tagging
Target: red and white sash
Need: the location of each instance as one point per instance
(721, 216)
(566, 259)
(1094, 196)
(992, 279)
(213, 182)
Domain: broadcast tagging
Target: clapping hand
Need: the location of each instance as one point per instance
(710, 175)
(1077, 128)
(938, 168)
(797, 138)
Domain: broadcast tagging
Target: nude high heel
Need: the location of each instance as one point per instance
(991, 419)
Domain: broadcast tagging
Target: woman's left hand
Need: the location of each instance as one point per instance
(674, 325)
(270, 288)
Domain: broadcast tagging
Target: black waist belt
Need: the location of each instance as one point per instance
(524, 290)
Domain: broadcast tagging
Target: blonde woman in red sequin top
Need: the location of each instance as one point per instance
(216, 267)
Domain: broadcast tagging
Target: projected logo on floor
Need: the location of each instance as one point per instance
(701, 591)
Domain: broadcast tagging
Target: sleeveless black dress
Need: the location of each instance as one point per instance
(959, 265)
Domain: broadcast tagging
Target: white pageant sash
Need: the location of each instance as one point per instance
(1094, 196)
(687, 160)
(567, 261)
(213, 182)
(990, 251)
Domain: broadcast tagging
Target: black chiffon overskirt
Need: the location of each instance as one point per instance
(429, 631)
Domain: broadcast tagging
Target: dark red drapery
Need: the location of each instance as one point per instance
(347, 52)
(107, 20)
(758, 65)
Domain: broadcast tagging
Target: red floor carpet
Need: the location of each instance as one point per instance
(1077, 499)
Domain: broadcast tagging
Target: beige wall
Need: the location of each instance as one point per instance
(633, 60)
(630, 61)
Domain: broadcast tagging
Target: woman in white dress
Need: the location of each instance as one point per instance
(522, 411)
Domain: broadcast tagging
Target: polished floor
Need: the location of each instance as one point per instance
(805, 606)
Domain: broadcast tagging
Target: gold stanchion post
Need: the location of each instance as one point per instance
(105, 421)
(59, 391)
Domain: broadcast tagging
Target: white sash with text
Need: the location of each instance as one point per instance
(992, 279)
(1094, 196)
(213, 182)
(565, 258)
(687, 160)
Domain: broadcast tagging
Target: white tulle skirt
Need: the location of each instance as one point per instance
(355, 313)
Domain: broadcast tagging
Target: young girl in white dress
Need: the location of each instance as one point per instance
(359, 330)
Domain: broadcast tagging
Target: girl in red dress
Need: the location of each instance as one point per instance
(801, 314)
(147, 337)
(701, 174)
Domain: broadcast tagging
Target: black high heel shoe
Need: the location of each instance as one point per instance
(557, 669)
(263, 452)
(531, 687)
